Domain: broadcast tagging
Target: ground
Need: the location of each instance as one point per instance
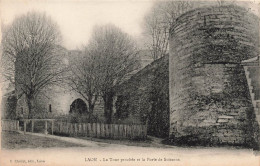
(14, 140)
(149, 142)
(57, 150)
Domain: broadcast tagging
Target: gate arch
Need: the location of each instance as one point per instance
(78, 106)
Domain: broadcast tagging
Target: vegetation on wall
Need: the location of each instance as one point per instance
(145, 97)
(10, 105)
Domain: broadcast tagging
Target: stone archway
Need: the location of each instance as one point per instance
(78, 106)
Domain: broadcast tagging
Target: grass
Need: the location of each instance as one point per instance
(14, 140)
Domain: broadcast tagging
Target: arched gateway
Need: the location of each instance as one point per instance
(78, 106)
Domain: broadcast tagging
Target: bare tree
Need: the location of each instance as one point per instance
(31, 56)
(114, 53)
(82, 77)
(157, 34)
(158, 22)
(163, 15)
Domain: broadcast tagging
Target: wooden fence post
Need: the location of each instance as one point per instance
(98, 130)
(89, 129)
(17, 126)
(102, 130)
(10, 125)
(121, 131)
(59, 128)
(111, 131)
(24, 126)
(46, 125)
(71, 129)
(32, 125)
(94, 127)
(75, 129)
(52, 125)
(68, 125)
(79, 129)
(145, 129)
(62, 126)
(117, 131)
(84, 129)
(14, 125)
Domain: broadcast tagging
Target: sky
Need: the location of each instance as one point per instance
(76, 18)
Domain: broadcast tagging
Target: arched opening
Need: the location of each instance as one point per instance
(78, 106)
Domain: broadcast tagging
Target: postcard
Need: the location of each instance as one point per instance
(148, 82)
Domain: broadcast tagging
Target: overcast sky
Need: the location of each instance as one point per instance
(77, 18)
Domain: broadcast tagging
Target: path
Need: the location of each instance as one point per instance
(79, 141)
(98, 153)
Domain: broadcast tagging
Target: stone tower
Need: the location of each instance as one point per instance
(209, 96)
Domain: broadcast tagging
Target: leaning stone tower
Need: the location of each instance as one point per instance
(209, 95)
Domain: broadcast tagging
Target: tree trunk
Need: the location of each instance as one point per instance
(30, 104)
(91, 104)
(91, 108)
(108, 106)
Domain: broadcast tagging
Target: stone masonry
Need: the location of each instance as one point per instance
(209, 95)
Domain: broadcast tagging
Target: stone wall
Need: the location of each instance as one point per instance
(99, 109)
(8, 105)
(209, 96)
(144, 98)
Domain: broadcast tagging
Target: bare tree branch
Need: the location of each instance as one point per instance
(31, 55)
(158, 22)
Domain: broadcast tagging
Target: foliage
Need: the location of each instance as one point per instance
(10, 107)
(79, 118)
(146, 96)
(158, 118)
(122, 107)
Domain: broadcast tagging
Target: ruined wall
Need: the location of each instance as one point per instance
(209, 96)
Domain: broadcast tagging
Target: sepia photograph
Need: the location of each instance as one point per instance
(130, 82)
